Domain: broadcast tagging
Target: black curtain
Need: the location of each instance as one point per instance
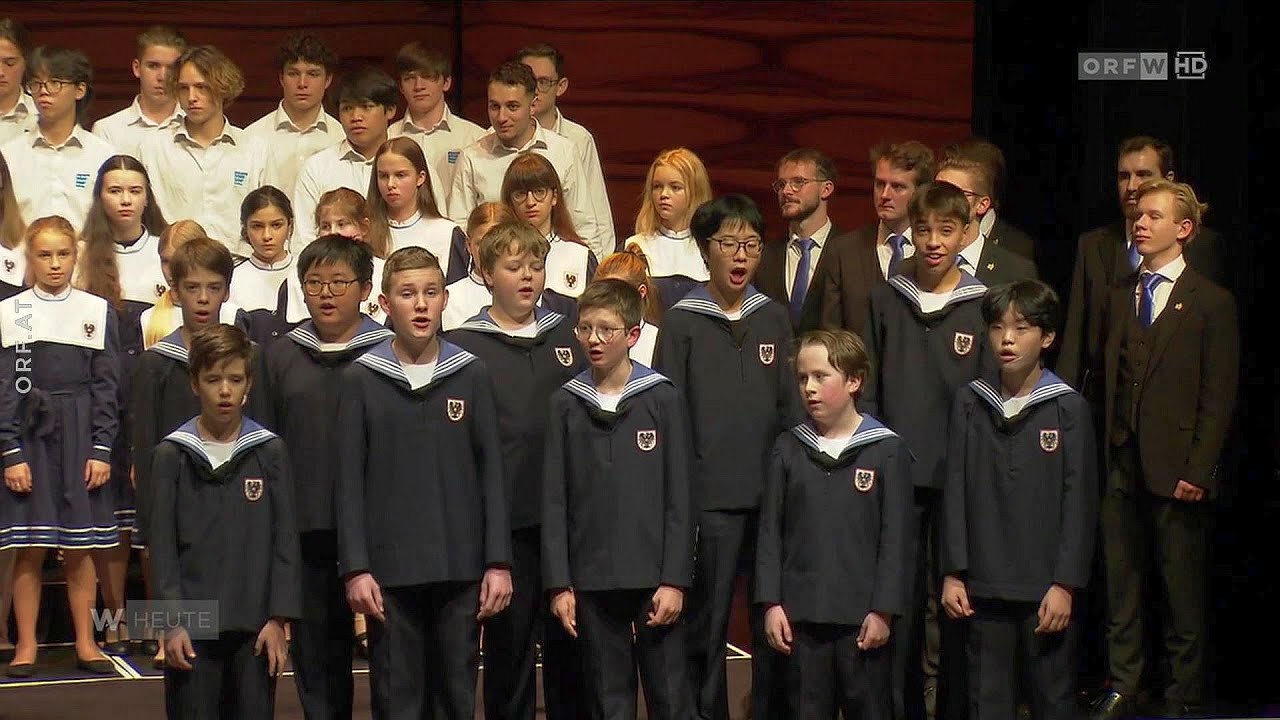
(1060, 136)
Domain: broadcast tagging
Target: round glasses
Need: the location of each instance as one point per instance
(605, 334)
(539, 194)
(336, 287)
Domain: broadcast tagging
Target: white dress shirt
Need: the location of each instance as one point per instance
(1160, 295)
(793, 255)
(127, 129)
(50, 180)
(477, 178)
(288, 146)
(19, 120)
(334, 167)
(206, 184)
(885, 252)
(597, 195)
(441, 144)
(972, 254)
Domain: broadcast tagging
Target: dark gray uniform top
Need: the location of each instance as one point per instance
(617, 503)
(919, 360)
(226, 533)
(421, 497)
(1020, 507)
(525, 372)
(303, 381)
(736, 380)
(834, 532)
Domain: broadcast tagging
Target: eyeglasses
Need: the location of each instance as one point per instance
(795, 183)
(605, 334)
(729, 246)
(540, 194)
(545, 84)
(53, 86)
(336, 287)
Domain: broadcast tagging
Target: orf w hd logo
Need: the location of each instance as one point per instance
(1141, 65)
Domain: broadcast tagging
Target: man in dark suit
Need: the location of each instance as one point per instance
(1106, 256)
(790, 269)
(991, 263)
(1171, 365)
(996, 230)
(869, 255)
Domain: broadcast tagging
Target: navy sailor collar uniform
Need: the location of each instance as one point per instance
(381, 358)
(870, 430)
(369, 333)
(1048, 387)
(969, 288)
(699, 300)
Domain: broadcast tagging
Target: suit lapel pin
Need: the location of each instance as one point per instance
(991, 266)
(1177, 306)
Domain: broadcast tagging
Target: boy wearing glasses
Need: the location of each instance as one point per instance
(303, 376)
(725, 346)
(481, 166)
(617, 522)
(424, 537)
(927, 338)
(425, 75)
(532, 351)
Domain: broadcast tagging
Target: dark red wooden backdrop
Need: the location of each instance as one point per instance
(740, 83)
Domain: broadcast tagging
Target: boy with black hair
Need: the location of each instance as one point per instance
(424, 539)
(224, 532)
(155, 108)
(617, 521)
(547, 64)
(1020, 508)
(425, 74)
(299, 127)
(531, 352)
(841, 480)
(735, 416)
(926, 338)
(366, 99)
(304, 379)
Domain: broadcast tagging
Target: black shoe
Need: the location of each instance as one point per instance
(21, 670)
(121, 647)
(97, 666)
(1112, 706)
(148, 647)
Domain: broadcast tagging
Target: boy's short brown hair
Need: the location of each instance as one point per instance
(515, 74)
(845, 351)
(938, 198)
(409, 258)
(216, 344)
(427, 61)
(201, 253)
(511, 237)
(160, 36)
(223, 75)
(910, 155)
(1185, 201)
(616, 296)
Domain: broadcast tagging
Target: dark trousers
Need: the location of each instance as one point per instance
(827, 672)
(611, 657)
(323, 639)
(1003, 646)
(1142, 531)
(426, 655)
(227, 681)
(726, 545)
(511, 646)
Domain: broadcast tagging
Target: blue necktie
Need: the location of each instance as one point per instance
(1147, 303)
(964, 265)
(897, 243)
(1134, 258)
(800, 286)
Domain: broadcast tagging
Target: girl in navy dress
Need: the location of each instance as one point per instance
(266, 224)
(119, 262)
(676, 185)
(58, 422)
(531, 188)
(13, 268)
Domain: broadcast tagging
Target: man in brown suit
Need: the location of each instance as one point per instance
(872, 253)
(790, 269)
(1171, 366)
(1105, 256)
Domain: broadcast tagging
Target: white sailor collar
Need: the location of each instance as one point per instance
(699, 301)
(381, 358)
(642, 378)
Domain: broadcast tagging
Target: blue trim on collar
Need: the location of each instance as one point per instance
(699, 300)
(171, 347)
(382, 359)
(369, 333)
(642, 378)
(870, 431)
(483, 322)
(969, 288)
(1049, 386)
(251, 435)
